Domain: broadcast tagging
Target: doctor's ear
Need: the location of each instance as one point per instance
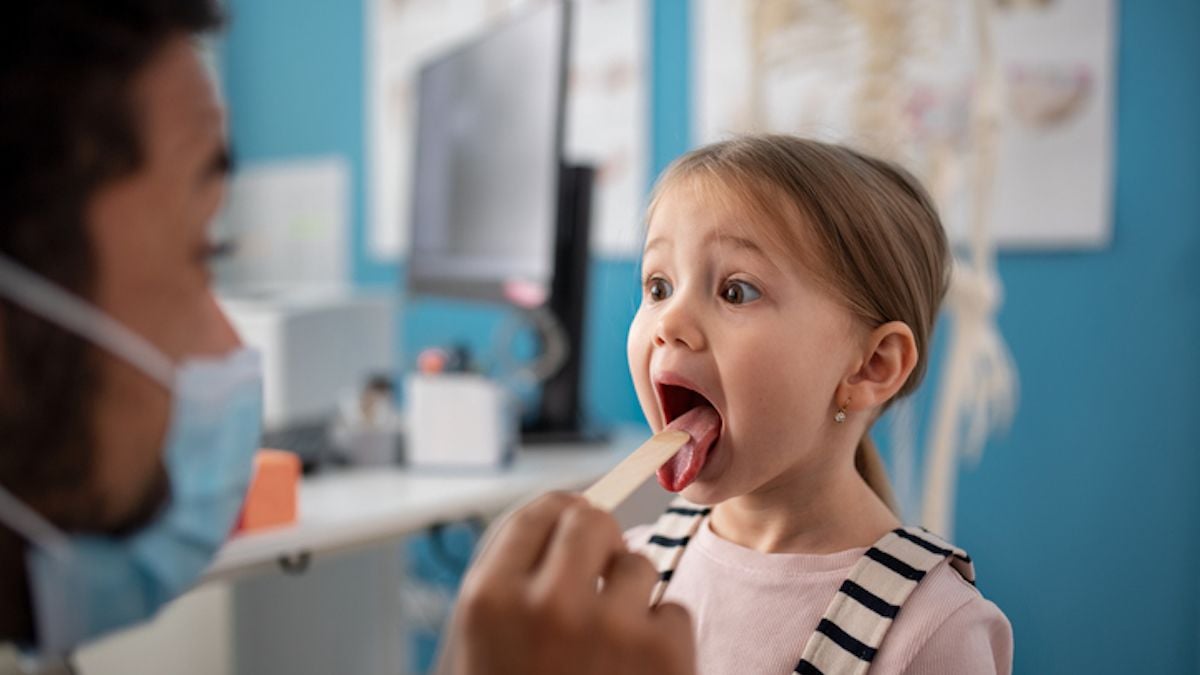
(889, 356)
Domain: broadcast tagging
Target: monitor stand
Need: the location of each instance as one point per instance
(559, 417)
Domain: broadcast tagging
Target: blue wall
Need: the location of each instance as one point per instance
(1084, 519)
(1087, 517)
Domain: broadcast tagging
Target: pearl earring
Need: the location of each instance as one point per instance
(840, 416)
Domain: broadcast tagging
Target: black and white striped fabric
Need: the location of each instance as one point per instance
(855, 623)
(671, 534)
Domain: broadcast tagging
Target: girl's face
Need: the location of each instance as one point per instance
(727, 316)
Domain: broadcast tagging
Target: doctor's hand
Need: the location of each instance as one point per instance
(531, 604)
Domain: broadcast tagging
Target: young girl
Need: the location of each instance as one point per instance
(790, 289)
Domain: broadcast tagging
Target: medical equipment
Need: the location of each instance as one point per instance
(459, 420)
(615, 487)
(315, 346)
(497, 213)
(273, 497)
(369, 425)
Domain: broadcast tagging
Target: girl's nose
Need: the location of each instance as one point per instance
(678, 326)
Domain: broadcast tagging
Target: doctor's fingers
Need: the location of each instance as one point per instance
(674, 648)
(514, 546)
(628, 583)
(584, 545)
(659, 639)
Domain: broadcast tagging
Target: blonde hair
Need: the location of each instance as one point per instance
(863, 227)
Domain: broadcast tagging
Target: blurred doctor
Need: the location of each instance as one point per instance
(129, 409)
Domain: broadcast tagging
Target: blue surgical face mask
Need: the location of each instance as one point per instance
(84, 586)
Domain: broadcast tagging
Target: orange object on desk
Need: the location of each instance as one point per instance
(271, 500)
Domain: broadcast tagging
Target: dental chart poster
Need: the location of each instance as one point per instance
(606, 124)
(799, 66)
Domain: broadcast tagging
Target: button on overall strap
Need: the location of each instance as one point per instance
(862, 611)
(671, 534)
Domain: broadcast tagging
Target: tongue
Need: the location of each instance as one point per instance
(703, 424)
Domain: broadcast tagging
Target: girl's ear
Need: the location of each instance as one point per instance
(889, 358)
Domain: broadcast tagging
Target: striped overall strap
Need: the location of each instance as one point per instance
(863, 609)
(671, 534)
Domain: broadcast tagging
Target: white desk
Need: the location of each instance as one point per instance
(358, 507)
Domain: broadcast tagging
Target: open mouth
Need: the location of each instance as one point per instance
(685, 409)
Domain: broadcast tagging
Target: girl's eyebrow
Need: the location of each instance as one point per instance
(742, 244)
(655, 242)
(735, 242)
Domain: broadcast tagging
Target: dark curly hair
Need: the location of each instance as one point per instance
(67, 128)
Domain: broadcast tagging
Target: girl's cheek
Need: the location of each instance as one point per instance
(633, 342)
(637, 350)
(638, 355)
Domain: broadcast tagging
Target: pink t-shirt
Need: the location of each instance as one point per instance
(754, 612)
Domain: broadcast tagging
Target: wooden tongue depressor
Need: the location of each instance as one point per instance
(616, 486)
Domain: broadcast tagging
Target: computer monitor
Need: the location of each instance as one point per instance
(494, 204)
(488, 157)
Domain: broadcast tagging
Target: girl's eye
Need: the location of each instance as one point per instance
(658, 288)
(740, 292)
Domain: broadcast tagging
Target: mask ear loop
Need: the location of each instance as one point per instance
(32, 526)
(40, 533)
(55, 618)
(54, 304)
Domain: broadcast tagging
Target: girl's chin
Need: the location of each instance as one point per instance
(700, 494)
